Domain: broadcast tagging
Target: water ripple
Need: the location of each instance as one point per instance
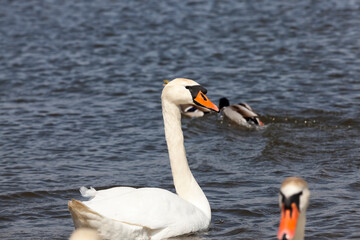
(80, 87)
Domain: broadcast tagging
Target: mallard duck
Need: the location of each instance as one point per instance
(241, 114)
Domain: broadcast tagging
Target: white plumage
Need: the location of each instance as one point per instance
(85, 234)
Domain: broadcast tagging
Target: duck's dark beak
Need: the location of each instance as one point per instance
(288, 222)
(203, 101)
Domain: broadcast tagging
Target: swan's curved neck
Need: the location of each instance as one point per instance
(300, 226)
(185, 183)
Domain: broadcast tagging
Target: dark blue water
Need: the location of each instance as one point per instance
(80, 86)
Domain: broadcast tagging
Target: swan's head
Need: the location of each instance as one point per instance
(181, 91)
(294, 200)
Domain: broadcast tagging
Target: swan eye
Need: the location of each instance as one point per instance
(194, 90)
(293, 199)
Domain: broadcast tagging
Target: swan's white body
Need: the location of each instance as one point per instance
(151, 213)
(290, 187)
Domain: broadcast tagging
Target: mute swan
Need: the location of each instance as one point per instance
(153, 213)
(242, 114)
(294, 200)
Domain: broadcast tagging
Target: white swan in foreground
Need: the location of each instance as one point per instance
(241, 114)
(153, 213)
(293, 200)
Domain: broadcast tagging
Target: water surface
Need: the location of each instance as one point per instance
(80, 86)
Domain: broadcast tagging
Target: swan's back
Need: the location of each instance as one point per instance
(138, 212)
